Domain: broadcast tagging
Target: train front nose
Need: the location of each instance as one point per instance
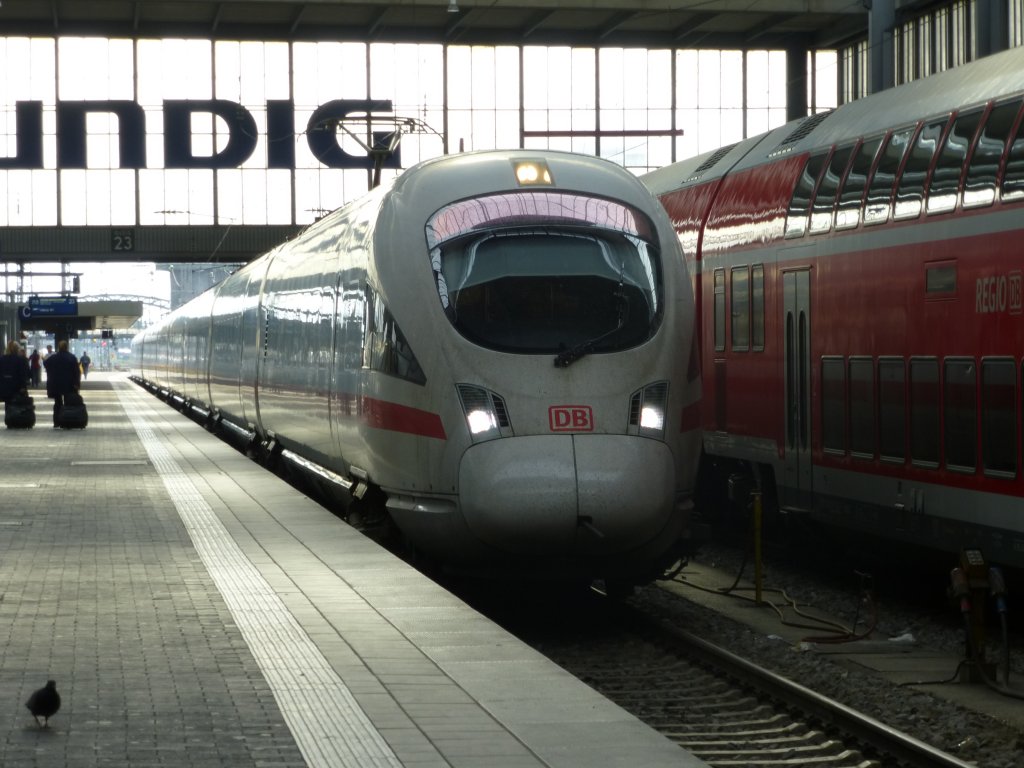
(567, 494)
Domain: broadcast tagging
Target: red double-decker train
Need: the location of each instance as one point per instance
(859, 288)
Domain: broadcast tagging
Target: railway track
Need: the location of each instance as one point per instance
(726, 710)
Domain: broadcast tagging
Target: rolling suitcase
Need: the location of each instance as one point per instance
(73, 415)
(20, 412)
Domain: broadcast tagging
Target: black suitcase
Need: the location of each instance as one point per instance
(20, 412)
(72, 415)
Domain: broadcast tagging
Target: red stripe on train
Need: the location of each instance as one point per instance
(381, 414)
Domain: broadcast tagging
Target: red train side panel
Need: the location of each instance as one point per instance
(861, 302)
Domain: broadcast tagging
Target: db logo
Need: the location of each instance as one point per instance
(571, 418)
(1016, 293)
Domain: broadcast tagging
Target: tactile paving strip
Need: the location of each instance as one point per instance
(328, 724)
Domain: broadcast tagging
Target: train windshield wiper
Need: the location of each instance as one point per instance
(567, 357)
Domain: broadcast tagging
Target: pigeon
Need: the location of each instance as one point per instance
(44, 703)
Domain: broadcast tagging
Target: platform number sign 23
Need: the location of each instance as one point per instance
(122, 240)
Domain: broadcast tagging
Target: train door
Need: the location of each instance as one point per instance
(795, 490)
(253, 330)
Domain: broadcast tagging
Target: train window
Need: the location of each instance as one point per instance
(825, 197)
(1013, 178)
(740, 315)
(924, 411)
(862, 406)
(999, 417)
(980, 184)
(945, 184)
(757, 307)
(545, 291)
(474, 214)
(940, 280)
(543, 272)
(879, 196)
(910, 190)
(719, 310)
(848, 213)
(833, 404)
(387, 350)
(892, 409)
(960, 413)
(799, 206)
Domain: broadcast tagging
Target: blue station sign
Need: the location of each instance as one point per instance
(51, 306)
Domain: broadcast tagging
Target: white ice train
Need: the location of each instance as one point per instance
(497, 348)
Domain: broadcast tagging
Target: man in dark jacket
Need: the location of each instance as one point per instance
(14, 371)
(63, 376)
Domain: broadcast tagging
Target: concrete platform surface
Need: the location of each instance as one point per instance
(195, 610)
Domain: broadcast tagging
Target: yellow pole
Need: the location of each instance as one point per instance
(758, 578)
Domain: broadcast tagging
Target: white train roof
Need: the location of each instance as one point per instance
(482, 172)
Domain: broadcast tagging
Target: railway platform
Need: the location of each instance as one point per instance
(195, 610)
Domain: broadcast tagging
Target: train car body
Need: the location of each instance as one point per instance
(494, 355)
(859, 282)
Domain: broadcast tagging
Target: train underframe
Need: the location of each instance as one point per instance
(726, 493)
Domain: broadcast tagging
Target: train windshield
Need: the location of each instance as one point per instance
(547, 273)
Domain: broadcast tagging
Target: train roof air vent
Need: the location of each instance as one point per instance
(501, 411)
(802, 131)
(710, 162)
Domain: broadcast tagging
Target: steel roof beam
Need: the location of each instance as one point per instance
(771, 25)
(297, 19)
(615, 23)
(535, 23)
(215, 21)
(375, 24)
(687, 32)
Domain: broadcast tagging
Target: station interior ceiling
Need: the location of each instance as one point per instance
(725, 24)
(648, 23)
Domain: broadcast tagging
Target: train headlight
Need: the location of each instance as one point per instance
(481, 420)
(652, 418)
(647, 409)
(485, 411)
(532, 173)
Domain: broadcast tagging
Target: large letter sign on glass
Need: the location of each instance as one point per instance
(243, 135)
(29, 135)
(71, 133)
(178, 134)
(322, 135)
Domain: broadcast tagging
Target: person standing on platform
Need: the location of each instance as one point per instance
(35, 365)
(86, 361)
(49, 351)
(14, 371)
(63, 376)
